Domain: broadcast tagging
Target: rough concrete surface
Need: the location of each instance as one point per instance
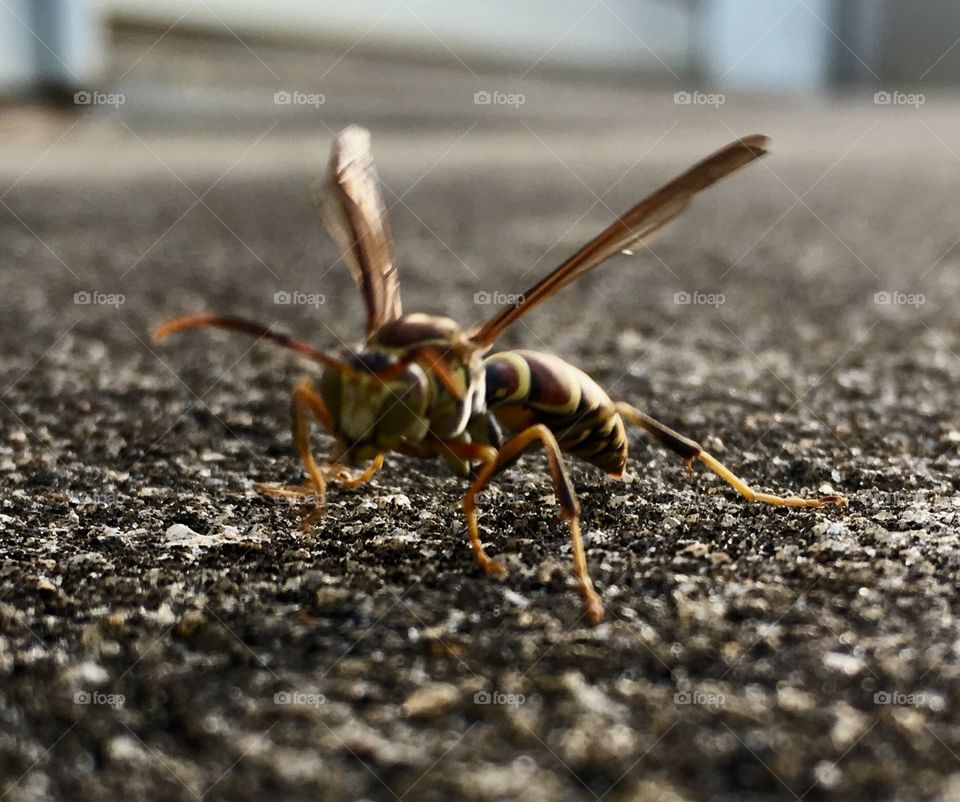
(167, 633)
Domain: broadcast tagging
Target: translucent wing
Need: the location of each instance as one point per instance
(351, 208)
(632, 228)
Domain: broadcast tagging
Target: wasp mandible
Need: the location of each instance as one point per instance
(422, 386)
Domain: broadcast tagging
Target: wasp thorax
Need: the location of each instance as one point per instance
(373, 414)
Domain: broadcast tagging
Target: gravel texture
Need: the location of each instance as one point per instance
(167, 633)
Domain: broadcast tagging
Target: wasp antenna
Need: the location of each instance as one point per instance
(176, 324)
(251, 328)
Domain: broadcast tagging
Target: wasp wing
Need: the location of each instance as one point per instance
(634, 227)
(352, 210)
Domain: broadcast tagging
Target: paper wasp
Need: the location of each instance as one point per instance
(421, 385)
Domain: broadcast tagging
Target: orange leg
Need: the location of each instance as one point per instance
(493, 461)
(306, 401)
(691, 450)
(332, 472)
(472, 452)
(352, 480)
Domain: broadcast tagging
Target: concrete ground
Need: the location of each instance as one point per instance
(167, 633)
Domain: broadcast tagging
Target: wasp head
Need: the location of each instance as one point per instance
(378, 405)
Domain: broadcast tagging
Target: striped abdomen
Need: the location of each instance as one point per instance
(528, 387)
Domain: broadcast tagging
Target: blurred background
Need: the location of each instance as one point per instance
(774, 45)
(191, 64)
(583, 95)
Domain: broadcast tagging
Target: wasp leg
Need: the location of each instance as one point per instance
(332, 472)
(567, 497)
(284, 491)
(487, 455)
(303, 401)
(691, 450)
(342, 475)
(306, 401)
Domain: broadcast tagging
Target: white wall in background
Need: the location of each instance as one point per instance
(50, 42)
(610, 33)
(763, 45)
(16, 46)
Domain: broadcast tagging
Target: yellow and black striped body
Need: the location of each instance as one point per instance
(528, 387)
